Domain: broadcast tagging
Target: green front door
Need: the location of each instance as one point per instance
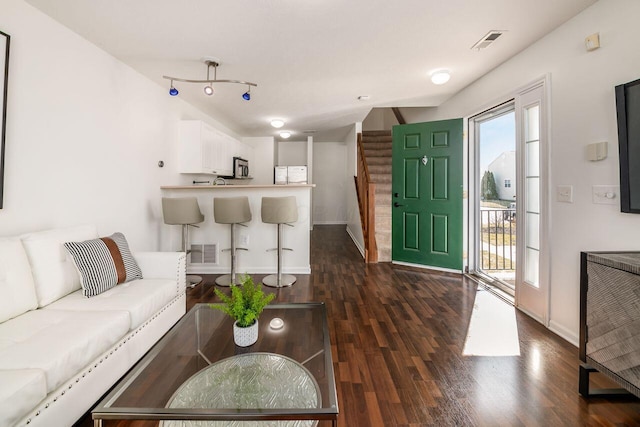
(427, 194)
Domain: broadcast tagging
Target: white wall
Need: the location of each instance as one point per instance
(292, 153)
(379, 119)
(262, 163)
(354, 226)
(330, 177)
(582, 111)
(85, 133)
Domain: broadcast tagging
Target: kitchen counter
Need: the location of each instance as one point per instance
(233, 186)
(257, 237)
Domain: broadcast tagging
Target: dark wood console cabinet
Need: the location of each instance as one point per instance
(610, 320)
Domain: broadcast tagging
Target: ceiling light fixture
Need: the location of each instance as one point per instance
(440, 77)
(277, 123)
(285, 135)
(208, 89)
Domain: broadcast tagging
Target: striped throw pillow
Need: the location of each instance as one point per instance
(103, 263)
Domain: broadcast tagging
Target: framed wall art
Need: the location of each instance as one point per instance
(4, 82)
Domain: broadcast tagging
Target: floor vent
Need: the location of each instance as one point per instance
(204, 254)
(487, 40)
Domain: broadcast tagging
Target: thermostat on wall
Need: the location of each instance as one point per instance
(597, 151)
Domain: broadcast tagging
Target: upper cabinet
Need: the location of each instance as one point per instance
(206, 150)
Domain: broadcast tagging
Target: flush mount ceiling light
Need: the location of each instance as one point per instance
(285, 135)
(440, 77)
(208, 89)
(277, 123)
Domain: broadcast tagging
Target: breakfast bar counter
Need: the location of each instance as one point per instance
(257, 237)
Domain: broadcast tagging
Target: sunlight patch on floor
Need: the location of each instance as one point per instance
(493, 330)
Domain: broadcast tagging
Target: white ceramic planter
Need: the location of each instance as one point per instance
(244, 337)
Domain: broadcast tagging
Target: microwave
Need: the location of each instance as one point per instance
(240, 168)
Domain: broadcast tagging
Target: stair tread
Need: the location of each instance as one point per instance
(375, 132)
(386, 161)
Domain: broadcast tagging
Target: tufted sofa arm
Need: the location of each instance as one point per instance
(163, 265)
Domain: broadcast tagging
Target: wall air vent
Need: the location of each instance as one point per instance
(488, 39)
(204, 254)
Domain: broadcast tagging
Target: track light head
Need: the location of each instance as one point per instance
(247, 95)
(172, 90)
(208, 90)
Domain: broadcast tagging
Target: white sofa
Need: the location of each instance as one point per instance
(59, 351)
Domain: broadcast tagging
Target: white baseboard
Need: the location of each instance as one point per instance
(427, 267)
(533, 316)
(565, 333)
(214, 269)
(360, 248)
(329, 223)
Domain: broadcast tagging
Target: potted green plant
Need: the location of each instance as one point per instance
(244, 305)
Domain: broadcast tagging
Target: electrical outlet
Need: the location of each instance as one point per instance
(606, 194)
(564, 193)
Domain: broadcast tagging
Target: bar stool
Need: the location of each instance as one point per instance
(183, 211)
(281, 211)
(233, 211)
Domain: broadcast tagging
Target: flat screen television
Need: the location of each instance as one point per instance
(628, 108)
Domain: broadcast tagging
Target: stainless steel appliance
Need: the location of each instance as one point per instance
(240, 168)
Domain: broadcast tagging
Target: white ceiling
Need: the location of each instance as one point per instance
(311, 59)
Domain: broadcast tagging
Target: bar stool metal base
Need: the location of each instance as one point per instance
(224, 280)
(193, 280)
(272, 280)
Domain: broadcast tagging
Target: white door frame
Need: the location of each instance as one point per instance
(539, 310)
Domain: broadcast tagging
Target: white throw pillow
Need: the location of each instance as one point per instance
(53, 270)
(17, 291)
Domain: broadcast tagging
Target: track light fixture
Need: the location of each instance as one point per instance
(208, 89)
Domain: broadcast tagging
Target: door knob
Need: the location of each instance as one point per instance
(424, 160)
(396, 194)
(396, 204)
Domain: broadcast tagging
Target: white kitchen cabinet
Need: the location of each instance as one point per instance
(204, 149)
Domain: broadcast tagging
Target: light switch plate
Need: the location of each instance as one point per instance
(606, 194)
(564, 193)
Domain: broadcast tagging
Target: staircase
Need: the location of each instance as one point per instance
(377, 150)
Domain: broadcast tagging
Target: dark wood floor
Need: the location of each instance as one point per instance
(397, 340)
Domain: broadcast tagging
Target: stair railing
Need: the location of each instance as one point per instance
(365, 190)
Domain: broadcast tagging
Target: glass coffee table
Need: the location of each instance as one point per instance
(196, 376)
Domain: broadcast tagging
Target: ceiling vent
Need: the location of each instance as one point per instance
(488, 39)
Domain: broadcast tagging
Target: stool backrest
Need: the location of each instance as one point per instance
(181, 210)
(279, 210)
(231, 210)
